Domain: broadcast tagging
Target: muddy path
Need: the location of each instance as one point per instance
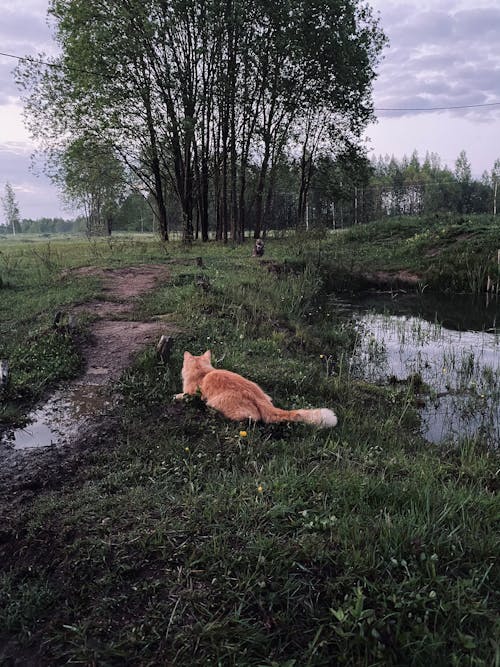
(116, 339)
(80, 410)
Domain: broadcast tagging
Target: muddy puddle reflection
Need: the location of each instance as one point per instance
(59, 420)
(450, 346)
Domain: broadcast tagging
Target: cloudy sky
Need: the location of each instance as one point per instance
(442, 53)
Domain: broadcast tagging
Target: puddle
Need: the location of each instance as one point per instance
(60, 418)
(114, 343)
(459, 365)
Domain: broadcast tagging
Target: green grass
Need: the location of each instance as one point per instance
(36, 282)
(447, 253)
(179, 541)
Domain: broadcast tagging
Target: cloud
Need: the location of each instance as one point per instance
(24, 31)
(24, 28)
(477, 24)
(439, 57)
(431, 27)
(440, 133)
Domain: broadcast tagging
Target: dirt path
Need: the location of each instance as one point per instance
(38, 453)
(116, 341)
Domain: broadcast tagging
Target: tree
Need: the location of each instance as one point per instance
(11, 209)
(196, 96)
(407, 187)
(495, 178)
(463, 174)
(462, 168)
(338, 189)
(135, 214)
(92, 178)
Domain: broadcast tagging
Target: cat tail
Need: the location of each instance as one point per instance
(322, 417)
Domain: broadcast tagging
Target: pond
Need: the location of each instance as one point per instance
(448, 346)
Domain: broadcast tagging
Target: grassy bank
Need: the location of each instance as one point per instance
(443, 253)
(183, 538)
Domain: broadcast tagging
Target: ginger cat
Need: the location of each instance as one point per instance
(238, 398)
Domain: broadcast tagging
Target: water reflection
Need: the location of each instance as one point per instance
(461, 312)
(452, 345)
(60, 418)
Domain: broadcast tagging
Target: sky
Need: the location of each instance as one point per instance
(441, 53)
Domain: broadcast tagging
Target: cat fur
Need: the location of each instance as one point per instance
(240, 399)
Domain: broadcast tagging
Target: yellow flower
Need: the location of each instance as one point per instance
(186, 449)
(243, 434)
(260, 489)
(321, 356)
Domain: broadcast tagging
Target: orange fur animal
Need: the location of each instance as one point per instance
(238, 398)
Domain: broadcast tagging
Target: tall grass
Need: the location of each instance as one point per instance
(446, 253)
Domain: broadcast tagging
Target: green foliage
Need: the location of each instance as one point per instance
(281, 60)
(37, 365)
(45, 359)
(92, 178)
(49, 226)
(409, 186)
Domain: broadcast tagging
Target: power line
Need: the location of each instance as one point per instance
(55, 65)
(400, 109)
(38, 62)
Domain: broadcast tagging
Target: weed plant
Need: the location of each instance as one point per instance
(185, 539)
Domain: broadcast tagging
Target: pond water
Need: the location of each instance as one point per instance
(450, 345)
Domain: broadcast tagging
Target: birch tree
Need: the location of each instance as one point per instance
(11, 209)
(495, 178)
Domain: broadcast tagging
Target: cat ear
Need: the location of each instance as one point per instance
(187, 355)
(208, 355)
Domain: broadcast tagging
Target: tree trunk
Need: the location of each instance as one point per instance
(259, 215)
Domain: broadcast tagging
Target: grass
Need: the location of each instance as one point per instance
(35, 283)
(184, 539)
(446, 253)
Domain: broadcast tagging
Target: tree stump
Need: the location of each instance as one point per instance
(203, 283)
(4, 373)
(164, 348)
(64, 322)
(258, 249)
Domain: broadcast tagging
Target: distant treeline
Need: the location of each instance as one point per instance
(413, 187)
(342, 193)
(50, 226)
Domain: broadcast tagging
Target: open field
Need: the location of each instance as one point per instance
(171, 536)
